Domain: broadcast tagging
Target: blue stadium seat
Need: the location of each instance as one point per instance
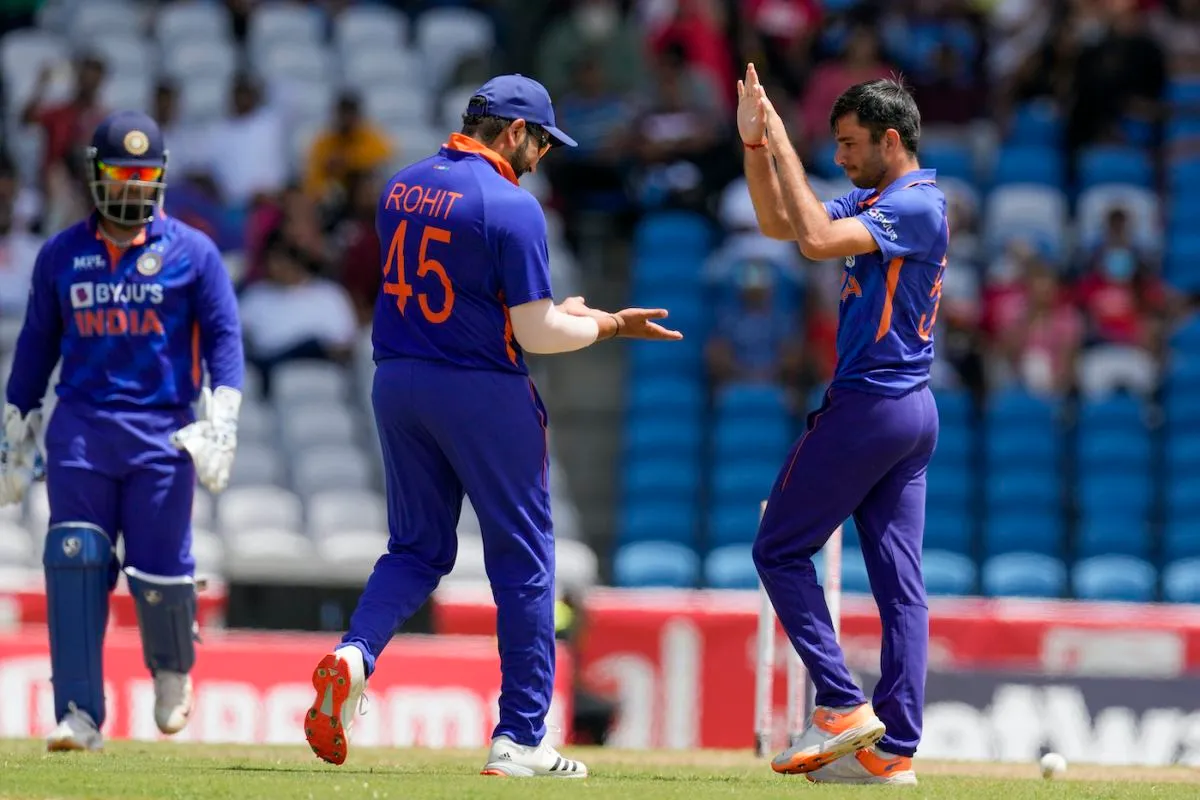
(1107, 533)
(732, 523)
(662, 477)
(947, 573)
(1018, 446)
(1011, 408)
(1115, 578)
(1117, 412)
(955, 407)
(1035, 164)
(948, 530)
(679, 396)
(1182, 127)
(850, 533)
(1183, 91)
(1185, 340)
(1183, 250)
(660, 520)
(1028, 489)
(730, 567)
(948, 487)
(656, 564)
(750, 399)
(1020, 529)
(678, 360)
(1116, 492)
(1024, 575)
(951, 160)
(674, 233)
(955, 445)
(745, 439)
(1103, 451)
(1181, 581)
(1114, 164)
(1183, 453)
(658, 433)
(1183, 498)
(743, 482)
(1036, 123)
(667, 273)
(1181, 537)
(854, 572)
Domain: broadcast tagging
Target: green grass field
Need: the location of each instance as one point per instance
(136, 770)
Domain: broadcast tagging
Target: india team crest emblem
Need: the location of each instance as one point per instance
(149, 263)
(136, 143)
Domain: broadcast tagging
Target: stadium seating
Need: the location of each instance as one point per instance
(1114, 577)
(1024, 575)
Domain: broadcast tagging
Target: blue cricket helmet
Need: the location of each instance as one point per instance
(127, 168)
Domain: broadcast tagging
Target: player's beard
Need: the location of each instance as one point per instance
(519, 161)
(872, 172)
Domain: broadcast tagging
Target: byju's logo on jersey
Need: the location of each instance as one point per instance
(82, 295)
(94, 261)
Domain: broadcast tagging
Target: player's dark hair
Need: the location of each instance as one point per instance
(881, 104)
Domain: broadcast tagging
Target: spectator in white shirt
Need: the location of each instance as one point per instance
(18, 251)
(247, 153)
(294, 314)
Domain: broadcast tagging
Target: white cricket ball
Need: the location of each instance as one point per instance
(1053, 766)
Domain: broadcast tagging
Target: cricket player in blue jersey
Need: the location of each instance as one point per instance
(135, 305)
(865, 451)
(466, 290)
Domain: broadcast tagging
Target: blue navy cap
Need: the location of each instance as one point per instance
(518, 97)
(129, 139)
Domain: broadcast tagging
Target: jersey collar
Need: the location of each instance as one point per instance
(465, 144)
(903, 182)
(153, 230)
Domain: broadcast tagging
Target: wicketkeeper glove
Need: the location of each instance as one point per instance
(212, 439)
(21, 461)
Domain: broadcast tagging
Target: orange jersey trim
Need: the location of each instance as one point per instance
(465, 144)
(893, 280)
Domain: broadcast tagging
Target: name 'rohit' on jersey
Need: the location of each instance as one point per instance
(462, 243)
(890, 296)
(133, 329)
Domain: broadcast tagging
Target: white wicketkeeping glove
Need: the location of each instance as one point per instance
(20, 460)
(212, 439)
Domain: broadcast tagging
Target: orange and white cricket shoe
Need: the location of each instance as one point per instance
(339, 679)
(870, 765)
(831, 735)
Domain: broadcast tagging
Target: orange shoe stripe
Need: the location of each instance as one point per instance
(839, 722)
(882, 767)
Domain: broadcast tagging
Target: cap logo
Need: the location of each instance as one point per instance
(136, 143)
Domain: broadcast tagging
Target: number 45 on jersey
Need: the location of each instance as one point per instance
(402, 289)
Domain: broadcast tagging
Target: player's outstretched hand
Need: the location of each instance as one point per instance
(751, 123)
(638, 323)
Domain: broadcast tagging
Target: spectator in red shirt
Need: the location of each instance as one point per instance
(1125, 305)
(698, 28)
(1041, 340)
(68, 126)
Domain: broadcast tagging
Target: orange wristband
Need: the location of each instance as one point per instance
(763, 143)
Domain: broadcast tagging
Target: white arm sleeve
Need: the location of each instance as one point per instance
(539, 327)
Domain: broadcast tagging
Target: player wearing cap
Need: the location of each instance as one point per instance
(136, 305)
(866, 449)
(466, 290)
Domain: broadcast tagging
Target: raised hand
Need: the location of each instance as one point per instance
(751, 116)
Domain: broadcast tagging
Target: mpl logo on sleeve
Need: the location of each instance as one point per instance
(93, 261)
(82, 295)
